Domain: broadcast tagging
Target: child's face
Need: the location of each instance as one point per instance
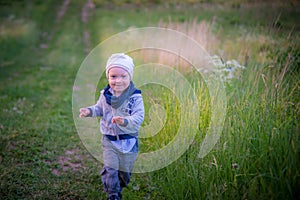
(118, 80)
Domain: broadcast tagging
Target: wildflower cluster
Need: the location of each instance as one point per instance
(225, 70)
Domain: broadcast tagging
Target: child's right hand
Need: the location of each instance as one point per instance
(84, 112)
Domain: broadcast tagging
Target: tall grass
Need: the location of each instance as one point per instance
(257, 156)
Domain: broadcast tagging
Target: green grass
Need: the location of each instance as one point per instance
(40, 147)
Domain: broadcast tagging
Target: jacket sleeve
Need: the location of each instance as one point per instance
(97, 109)
(134, 121)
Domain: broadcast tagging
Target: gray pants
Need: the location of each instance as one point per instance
(117, 167)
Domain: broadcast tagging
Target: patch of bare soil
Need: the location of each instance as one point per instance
(72, 160)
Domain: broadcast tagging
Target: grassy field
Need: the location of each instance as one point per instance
(43, 44)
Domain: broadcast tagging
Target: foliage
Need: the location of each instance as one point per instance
(42, 157)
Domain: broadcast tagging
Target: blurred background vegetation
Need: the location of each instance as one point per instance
(43, 44)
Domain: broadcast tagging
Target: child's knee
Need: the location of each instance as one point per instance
(110, 179)
(124, 178)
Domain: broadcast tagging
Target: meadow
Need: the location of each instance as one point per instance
(43, 44)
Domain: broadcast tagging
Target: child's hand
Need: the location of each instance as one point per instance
(118, 120)
(84, 112)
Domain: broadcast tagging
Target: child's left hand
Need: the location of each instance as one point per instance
(118, 120)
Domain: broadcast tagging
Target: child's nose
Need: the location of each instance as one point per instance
(118, 79)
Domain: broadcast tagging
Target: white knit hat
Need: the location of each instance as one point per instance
(120, 60)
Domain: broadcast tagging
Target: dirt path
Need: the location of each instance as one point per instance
(49, 36)
(71, 160)
(85, 13)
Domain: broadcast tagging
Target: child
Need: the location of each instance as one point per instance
(121, 108)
